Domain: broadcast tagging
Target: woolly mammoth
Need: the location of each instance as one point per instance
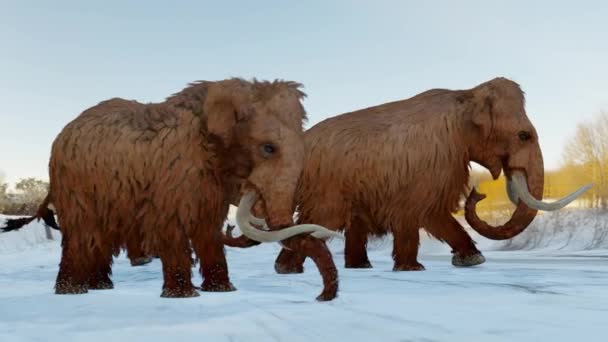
(404, 165)
(163, 174)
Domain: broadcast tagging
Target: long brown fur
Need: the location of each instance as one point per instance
(159, 177)
(402, 166)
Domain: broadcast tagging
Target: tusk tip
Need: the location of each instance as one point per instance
(327, 235)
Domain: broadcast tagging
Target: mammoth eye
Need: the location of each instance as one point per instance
(268, 150)
(524, 136)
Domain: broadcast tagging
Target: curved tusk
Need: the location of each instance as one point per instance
(520, 185)
(511, 192)
(244, 217)
(257, 221)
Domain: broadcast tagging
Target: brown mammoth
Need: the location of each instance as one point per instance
(163, 174)
(404, 165)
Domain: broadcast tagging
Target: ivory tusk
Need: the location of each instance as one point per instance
(520, 187)
(244, 219)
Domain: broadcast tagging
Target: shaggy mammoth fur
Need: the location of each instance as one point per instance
(160, 176)
(135, 251)
(402, 166)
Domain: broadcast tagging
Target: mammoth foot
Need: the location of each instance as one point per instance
(64, 287)
(415, 266)
(329, 292)
(179, 293)
(141, 261)
(101, 284)
(216, 286)
(358, 264)
(327, 296)
(468, 260)
(288, 268)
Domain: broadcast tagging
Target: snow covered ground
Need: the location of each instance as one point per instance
(552, 289)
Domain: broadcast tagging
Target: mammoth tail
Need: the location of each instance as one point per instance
(44, 213)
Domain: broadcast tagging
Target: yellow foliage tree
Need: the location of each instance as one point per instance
(586, 158)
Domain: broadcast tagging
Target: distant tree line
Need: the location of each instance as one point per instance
(25, 200)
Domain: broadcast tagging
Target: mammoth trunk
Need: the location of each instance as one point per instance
(523, 215)
(276, 208)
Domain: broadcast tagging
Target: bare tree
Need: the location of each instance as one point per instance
(33, 192)
(588, 149)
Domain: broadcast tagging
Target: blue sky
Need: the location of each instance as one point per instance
(59, 57)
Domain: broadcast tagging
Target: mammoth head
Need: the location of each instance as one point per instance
(502, 138)
(505, 139)
(258, 129)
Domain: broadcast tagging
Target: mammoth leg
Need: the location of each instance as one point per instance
(176, 257)
(355, 249)
(99, 276)
(209, 248)
(72, 277)
(135, 251)
(406, 240)
(463, 247)
(319, 253)
(289, 262)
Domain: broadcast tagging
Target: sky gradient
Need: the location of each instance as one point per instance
(59, 58)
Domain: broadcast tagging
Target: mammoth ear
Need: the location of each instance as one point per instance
(481, 110)
(224, 109)
(221, 119)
